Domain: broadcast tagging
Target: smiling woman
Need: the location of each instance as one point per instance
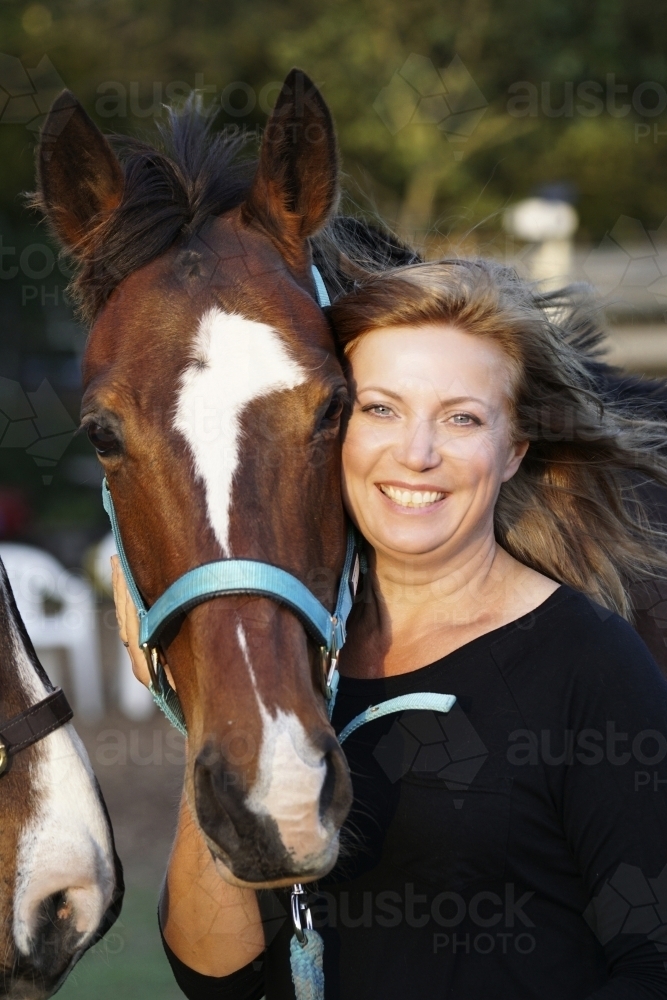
(511, 841)
(430, 436)
(487, 369)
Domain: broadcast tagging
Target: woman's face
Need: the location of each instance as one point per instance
(429, 439)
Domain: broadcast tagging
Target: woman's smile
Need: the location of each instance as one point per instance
(413, 498)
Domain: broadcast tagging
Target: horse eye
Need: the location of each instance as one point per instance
(102, 439)
(333, 413)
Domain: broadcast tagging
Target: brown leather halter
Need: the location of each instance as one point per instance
(34, 724)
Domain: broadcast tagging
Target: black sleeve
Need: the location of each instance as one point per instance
(244, 984)
(614, 807)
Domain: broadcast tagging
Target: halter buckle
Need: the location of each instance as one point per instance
(329, 661)
(4, 757)
(300, 908)
(151, 654)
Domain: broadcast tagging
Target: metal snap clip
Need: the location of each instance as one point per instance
(300, 909)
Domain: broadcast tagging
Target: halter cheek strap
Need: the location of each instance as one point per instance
(31, 726)
(239, 576)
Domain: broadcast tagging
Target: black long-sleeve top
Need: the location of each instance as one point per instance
(514, 848)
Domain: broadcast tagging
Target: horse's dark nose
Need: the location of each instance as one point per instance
(55, 937)
(56, 944)
(285, 833)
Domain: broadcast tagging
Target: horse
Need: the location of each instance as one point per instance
(213, 396)
(61, 882)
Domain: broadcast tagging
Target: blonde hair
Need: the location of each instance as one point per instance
(574, 510)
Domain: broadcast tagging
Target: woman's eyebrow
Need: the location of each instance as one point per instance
(453, 401)
(379, 388)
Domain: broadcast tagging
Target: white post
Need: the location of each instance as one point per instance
(550, 225)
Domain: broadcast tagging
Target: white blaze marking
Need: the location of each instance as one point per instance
(66, 847)
(235, 361)
(289, 780)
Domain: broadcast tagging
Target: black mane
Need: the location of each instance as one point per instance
(173, 188)
(170, 191)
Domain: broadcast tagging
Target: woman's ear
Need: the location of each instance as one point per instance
(516, 455)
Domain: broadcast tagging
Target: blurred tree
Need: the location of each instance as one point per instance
(603, 139)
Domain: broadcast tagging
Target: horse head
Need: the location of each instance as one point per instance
(213, 396)
(62, 884)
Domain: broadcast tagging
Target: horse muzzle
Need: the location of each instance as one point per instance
(285, 825)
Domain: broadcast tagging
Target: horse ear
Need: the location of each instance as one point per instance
(295, 188)
(79, 177)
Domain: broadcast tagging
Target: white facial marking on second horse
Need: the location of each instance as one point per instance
(289, 779)
(235, 361)
(66, 846)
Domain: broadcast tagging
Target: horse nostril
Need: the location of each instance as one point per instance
(219, 803)
(336, 794)
(55, 938)
(329, 786)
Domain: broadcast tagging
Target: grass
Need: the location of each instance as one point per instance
(129, 962)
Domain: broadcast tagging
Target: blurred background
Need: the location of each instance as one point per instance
(532, 131)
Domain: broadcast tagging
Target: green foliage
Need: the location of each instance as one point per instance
(353, 49)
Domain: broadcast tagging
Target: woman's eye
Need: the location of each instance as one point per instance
(378, 409)
(463, 419)
(102, 439)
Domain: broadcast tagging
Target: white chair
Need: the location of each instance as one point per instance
(134, 700)
(58, 609)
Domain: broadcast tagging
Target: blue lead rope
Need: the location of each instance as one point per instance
(426, 701)
(307, 955)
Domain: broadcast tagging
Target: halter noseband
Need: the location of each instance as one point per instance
(240, 576)
(237, 576)
(31, 726)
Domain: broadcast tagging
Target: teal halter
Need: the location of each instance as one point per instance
(239, 576)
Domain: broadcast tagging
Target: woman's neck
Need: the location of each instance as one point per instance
(408, 588)
(417, 610)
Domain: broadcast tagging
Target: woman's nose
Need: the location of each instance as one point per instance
(417, 450)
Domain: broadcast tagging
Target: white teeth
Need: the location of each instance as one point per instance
(411, 498)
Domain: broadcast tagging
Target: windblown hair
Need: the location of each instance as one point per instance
(572, 510)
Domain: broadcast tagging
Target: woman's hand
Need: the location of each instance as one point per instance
(214, 927)
(128, 622)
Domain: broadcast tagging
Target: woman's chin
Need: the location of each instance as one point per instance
(409, 541)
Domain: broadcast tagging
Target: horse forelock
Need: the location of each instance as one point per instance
(170, 192)
(174, 187)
